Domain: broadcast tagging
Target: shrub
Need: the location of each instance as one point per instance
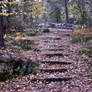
(24, 44)
(34, 32)
(77, 26)
(10, 68)
(77, 38)
(81, 36)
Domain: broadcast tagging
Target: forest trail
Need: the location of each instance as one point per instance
(61, 68)
(53, 51)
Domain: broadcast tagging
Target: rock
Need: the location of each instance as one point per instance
(10, 68)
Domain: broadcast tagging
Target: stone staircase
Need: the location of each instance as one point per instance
(53, 70)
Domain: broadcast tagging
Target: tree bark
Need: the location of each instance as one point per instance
(66, 12)
(1, 28)
(8, 17)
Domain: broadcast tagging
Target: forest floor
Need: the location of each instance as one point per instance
(61, 67)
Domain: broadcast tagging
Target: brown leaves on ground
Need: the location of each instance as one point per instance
(84, 32)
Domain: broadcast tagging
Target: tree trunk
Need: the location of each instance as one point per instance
(1, 28)
(8, 17)
(66, 12)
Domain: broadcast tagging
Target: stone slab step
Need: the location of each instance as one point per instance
(60, 29)
(54, 38)
(54, 66)
(63, 31)
(55, 49)
(53, 79)
(55, 46)
(64, 34)
(53, 70)
(55, 54)
(56, 62)
(47, 41)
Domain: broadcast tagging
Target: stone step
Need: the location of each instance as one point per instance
(54, 38)
(53, 66)
(55, 49)
(59, 30)
(64, 34)
(47, 41)
(53, 70)
(53, 79)
(56, 62)
(62, 31)
(55, 46)
(55, 54)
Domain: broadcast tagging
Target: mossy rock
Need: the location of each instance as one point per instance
(10, 68)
